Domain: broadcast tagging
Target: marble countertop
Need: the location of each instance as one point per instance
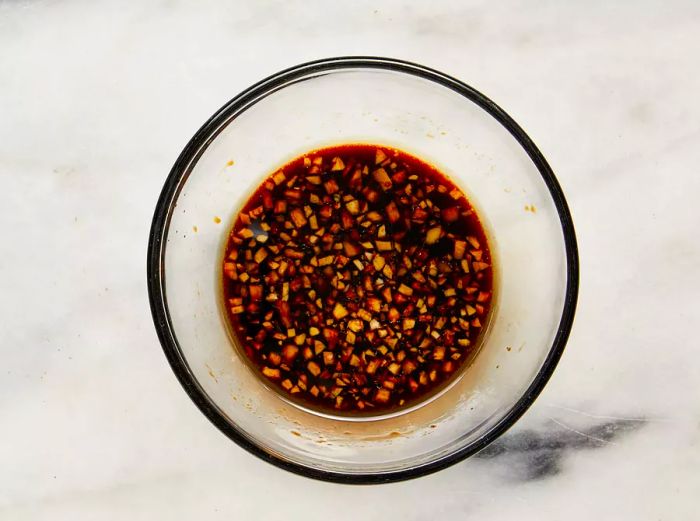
(98, 98)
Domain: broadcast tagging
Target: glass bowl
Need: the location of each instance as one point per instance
(430, 115)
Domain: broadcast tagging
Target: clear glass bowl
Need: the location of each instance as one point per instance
(428, 114)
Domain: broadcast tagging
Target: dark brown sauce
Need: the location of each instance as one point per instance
(357, 278)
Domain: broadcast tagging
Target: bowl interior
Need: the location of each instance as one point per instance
(393, 106)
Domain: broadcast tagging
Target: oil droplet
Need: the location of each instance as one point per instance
(217, 219)
(229, 162)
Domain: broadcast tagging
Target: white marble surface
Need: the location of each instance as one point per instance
(96, 101)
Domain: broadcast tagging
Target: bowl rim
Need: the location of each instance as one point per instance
(178, 175)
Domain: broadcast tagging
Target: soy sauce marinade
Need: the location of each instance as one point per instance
(357, 278)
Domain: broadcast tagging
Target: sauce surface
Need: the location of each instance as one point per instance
(357, 278)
